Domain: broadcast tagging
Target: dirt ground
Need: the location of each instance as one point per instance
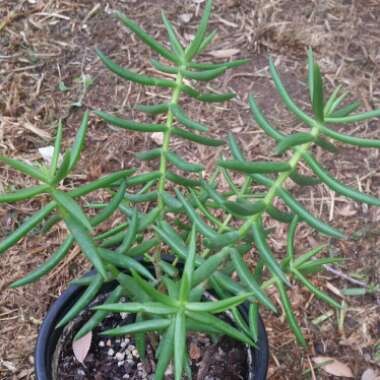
(48, 63)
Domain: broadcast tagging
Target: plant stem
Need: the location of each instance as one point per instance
(166, 140)
(293, 162)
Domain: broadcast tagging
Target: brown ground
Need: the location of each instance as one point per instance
(43, 43)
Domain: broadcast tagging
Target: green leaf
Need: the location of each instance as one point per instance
(262, 121)
(196, 44)
(208, 267)
(310, 219)
(166, 352)
(255, 167)
(214, 307)
(124, 262)
(346, 110)
(313, 289)
(171, 201)
(207, 41)
(304, 180)
(149, 155)
(337, 186)
(130, 236)
(143, 178)
(180, 163)
(143, 248)
(317, 265)
(292, 320)
(253, 319)
(137, 198)
(356, 141)
(164, 68)
(111, 206)
(307, 256)
(64, 169)
(196, 138)
(153, 108)
(179, 180)
(286, 98)
(201, 225)
(25, 168)
(184, 119)
(23, 194)
(101, 183)
(326, 145)
(318, 102)
(136, 307)
(79, 142)
(57, 149)
(245, 208)
(216, 196)
(354, 118)
(265, 251)
(179, 344)
(99, 315)
(89, 294)
(248, 279)
(145, 37)
(204, 75)
(129, 124)
(85, 242)
(28, 225)
(48, 265)
(153, 293)
(212, 66)
(174, 42)
(209, 97)
(293, 140)
(65, 202)
(140, 339)
(279, 215)
(291, 236)
(218, 324)
(187, 275)
(331, 101)
(170, 237)
(133, 77)
(133, 328)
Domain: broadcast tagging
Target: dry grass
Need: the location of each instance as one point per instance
(43, 43)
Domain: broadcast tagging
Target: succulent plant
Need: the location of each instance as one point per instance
(206, 231)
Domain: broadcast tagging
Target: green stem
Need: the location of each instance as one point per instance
(166, 140)
(293, 162)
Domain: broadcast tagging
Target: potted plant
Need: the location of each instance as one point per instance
(176, 271)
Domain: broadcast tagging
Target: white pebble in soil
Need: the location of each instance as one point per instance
(111, 352)
(120, 356)
(101, 343)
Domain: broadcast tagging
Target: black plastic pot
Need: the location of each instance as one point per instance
(48, 338)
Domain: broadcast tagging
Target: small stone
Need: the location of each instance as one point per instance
(111, 352)
(130, 348)
(120, 363)
(135, 353)
(123, 344)
(109, 343)
(120, 356)
(124, 315)
(126, 376)
(81, 372)
(101, 343)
